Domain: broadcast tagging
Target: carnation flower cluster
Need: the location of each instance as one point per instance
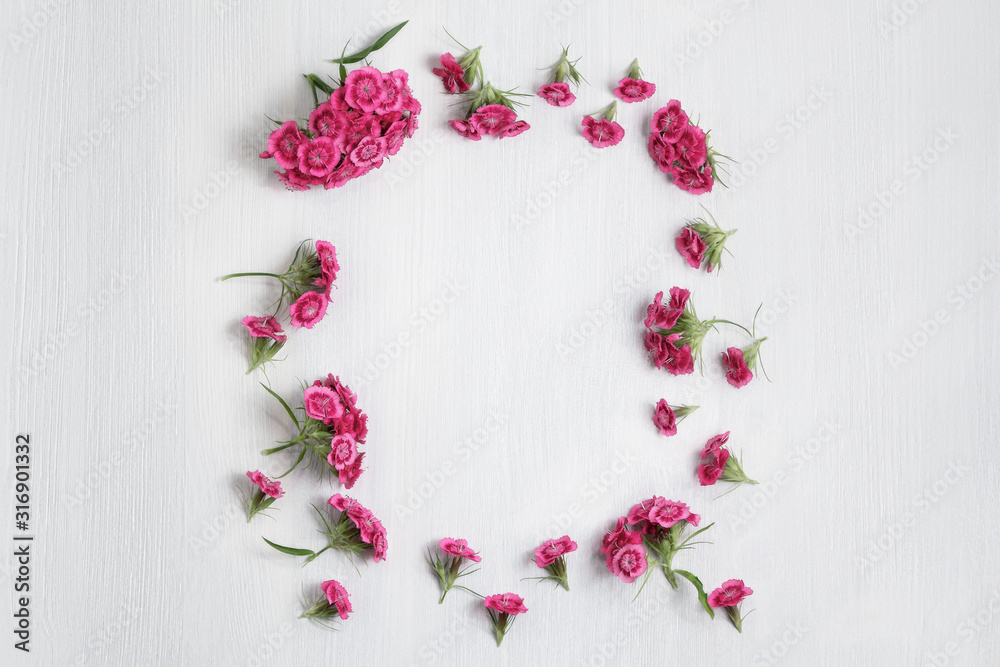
(675, 334)
(362, 120)
(652, 533)
(329, 430)
(488, 109)
(701, 242)
(717, 462)
(305, 288)
(350, 528)
(681, 149)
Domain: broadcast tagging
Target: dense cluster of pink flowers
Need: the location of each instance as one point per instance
(331, 431)
(489, 110)
(717, 462)
(364, 122)
(681, 149)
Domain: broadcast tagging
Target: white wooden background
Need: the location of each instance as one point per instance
(131, 183)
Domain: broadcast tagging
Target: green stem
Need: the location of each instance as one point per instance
(722, 321)
(244, 275)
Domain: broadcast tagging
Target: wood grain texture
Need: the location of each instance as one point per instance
(518, 408)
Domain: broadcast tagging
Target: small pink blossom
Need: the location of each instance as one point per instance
(326, 121)
(364, 89)
(267, 485)
(730, 594)
(665, 513)
(326, 253)
(452, 75)
(679, 361)
(557, 94)
(338, 597)
(601, 132)
(621, 536)
(691, 247)
(380, 543)
(296, 181)
(308, 309)
(550, 550)
(264, 327)
(634, 90)
(664, 418)
(492, 118)
(506, 603)
(459, 548)
(322, 403)
(629, 563)
(738, 373)
(283, 145)
(664, 154)
(318, 157)
(342, 503)
(466, 128)
(695, 181)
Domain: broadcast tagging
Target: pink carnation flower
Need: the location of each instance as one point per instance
(634, 90)
(514, 129)
(550, 550)
(665, 513)
(459, 548)
(364, 89)
(326, 253)
(695, 181)
(664, 154)
(730, 594)
(666, 316)
(322, 403)
(264, 327)
(506, 603)
(738, 373)
(557, 94)
(670, 121)
(492, 118)
(714, 444)
(692, 147)
(318, 157)
(283, 145)
(680, 360)
(369, 152)
(452, 75)
(657, 345)
(629, 563)
(664, 418)
(326, 121)
(343, 451)
(349, 475)
(712, 468)
(269, 486)
(691, 247)
(466, 128)
(338, 597)
(308, 309)
(602, 133)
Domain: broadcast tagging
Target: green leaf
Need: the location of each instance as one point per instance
(283, 404)
(379, 43)
(702, 596)
(289, 550)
